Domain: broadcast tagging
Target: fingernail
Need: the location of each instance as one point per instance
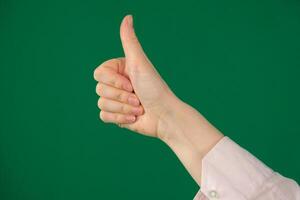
(130, 20)
(138, 111)
(130, 118)
(128, 87)
(133, 101)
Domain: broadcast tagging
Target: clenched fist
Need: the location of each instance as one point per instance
(133, 95)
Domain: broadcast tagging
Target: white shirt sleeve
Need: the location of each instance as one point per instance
(229, 172)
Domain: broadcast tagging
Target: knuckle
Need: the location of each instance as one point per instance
(101, 103)
(99, 89)
(117, 83)
(129, 96)
(110, 63)
(124, 108)
(106, 63)
(134, 39)
(120, 96)
(102, 116)
(129, 109)
(97, 73)
(118, 118)
(114, 60)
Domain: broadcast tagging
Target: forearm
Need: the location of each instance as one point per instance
(229, 170)
(188, 134)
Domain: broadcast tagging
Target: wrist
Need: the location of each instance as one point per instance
(182, 126)
(188, 134)
(166, 124)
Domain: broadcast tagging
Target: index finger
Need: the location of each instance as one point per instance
(112, 78)
(115, 64)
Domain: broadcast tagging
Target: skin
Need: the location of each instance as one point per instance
(134, 96)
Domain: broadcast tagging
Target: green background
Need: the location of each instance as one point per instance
(237, 62)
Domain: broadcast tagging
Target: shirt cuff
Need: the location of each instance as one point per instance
(231, 172)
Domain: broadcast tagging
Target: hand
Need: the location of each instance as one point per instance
(134, 96)
(125, 83)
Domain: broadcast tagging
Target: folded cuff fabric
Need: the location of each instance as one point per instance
(230, 172)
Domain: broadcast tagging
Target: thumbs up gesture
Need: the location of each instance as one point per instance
(132, 93)
(134, 96)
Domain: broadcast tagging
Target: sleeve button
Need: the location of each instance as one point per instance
(213, 194)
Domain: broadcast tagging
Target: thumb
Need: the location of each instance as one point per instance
(131, 45)
(147, 83)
